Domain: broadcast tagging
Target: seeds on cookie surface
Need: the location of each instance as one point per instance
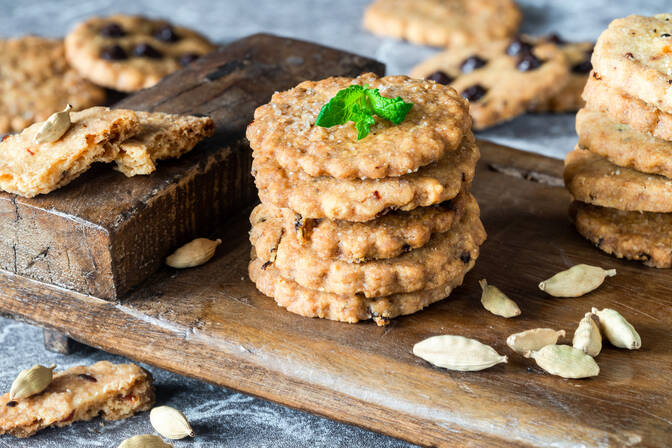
(497, 302)
(587, 336)
(194, 253)
(457, 353)
(534, 339)
(576, 281)
(617, 329)
(144, 441)
(55, 127)
(31, 382)
(170, 423)
(565, 361)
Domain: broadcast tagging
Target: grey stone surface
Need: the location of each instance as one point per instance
(223, 418)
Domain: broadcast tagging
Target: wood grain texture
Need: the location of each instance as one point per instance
(210, 323)
(105, 233)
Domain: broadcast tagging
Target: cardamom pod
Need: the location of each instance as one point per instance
(194, 253)
(144, 441)
(457, 353)
(497, 302)
(565, 361)
(31, 381)
(618, 331)
(54, 127)
(587, 336)
(534, 339)
(170, 423)
(576, 281)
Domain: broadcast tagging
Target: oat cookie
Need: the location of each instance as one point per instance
(569, 99)
(623, 108)
(594, 179)
(623, 145)
(433, 127)
(28, 168)
(36, 81)
(349, 308)
(632, 235)
(113, 391)
(633, 55)
(500, 79)
(363, 200)
(385, 237)
(129, 53)
(425, 268)
(444, 23)
(161, 136)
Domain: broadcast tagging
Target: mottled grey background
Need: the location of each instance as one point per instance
(223, 418)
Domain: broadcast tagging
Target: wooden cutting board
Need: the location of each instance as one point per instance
(211, 323)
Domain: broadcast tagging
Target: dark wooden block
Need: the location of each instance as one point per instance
(105, 233)
(58, 342)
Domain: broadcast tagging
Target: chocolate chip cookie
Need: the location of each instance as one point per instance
(36, 81)
(638, 236)
(129, 53)
(444, 23)
(501, 80)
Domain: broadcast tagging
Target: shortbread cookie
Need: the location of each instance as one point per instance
(363, 200)
(36, 81)
(129, 53)
(595, 180)
(501, 80)
(639, 236)
(433, 127)
(162, 136)
(385, 237)
(349, 308)
(113, 391)
(623, 108)
(569, 99)
(28, 168)
(623, 145)
(444, 23)
(430, 266)
(633, 55)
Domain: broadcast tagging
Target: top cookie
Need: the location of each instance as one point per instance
(500, 79)
(635, 55)
(129, 53)
(36, 81)
(285, 128)
(444, 23)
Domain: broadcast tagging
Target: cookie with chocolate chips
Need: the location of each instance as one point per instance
(501, 80)
(644, 237)
(129, 53)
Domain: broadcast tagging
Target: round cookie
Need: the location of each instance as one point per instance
(349, 308)
(569, 99)
(430, 266)
(443, 23)
(501, 80)
(384, 237)
(363, 200)
(623, 145)
(286, 128)
(129, 53)
(36, 81)
(593, 179)
(632, 235)
(623, 108)
(633, 55)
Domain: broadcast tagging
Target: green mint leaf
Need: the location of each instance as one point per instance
(358, 104)
(393, 109)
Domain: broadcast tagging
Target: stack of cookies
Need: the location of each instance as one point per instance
(620, 173)
(374, 228)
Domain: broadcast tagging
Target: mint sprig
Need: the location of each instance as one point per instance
(358, 104)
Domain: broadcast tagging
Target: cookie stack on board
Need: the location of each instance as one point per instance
(373, 228)
(620, 173)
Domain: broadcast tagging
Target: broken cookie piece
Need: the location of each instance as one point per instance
(113, 391)
(162, 136)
